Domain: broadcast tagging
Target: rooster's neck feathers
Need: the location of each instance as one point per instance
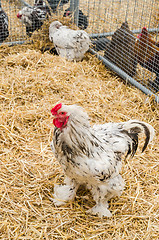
(78, 138)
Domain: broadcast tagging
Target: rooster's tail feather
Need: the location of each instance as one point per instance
(132, 128)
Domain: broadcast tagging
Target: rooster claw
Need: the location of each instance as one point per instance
(63, 194)
(100, 210)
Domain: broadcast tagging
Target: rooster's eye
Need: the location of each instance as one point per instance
(62, 113)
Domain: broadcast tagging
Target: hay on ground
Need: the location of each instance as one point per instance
(31, 84)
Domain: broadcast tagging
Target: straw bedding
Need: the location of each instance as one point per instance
(31, 84)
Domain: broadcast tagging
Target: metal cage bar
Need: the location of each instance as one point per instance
(125, 76)
(103, 22)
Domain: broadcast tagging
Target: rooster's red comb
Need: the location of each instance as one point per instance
(56, 108)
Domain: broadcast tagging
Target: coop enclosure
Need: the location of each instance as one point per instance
(115, 28)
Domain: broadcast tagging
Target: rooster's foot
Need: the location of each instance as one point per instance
(100, 210)
(63, 194)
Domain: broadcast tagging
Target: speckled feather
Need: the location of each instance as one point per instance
(33, 17)
(4, 32)
(70, 44)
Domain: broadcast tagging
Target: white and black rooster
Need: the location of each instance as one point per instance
(70, 44)
(92, 155)
(34, 17)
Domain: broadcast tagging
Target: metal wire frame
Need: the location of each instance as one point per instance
(125, 76)
(103, 38)
(108, 34)
(94, 10)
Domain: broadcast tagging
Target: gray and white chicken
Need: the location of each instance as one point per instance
(70, 44)
(34, 17)
(92, 155)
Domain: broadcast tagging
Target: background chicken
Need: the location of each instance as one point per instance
(120, 51)
(92, 155)
(147, 55)
(33, 17)
(71, 44)
(4, 33)
(82, 19)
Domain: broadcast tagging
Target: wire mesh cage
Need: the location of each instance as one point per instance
(124, 33)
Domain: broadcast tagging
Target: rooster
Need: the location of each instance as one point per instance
(92, 155)
(147, 55)
(4, 33)
(82, 19)
(34, 17)
(70, 44)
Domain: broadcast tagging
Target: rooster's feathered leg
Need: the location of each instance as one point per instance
(64, 193)
(103, 193)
